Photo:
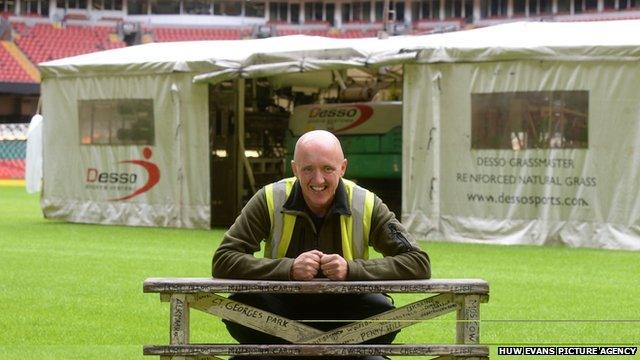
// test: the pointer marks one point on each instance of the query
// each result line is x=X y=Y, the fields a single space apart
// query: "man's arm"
x=403 y=258
x=234 y=258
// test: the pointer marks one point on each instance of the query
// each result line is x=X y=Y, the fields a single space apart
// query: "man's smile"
x=318 y=188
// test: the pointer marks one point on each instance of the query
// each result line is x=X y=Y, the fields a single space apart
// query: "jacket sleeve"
x=403 y=259
x=235 y=257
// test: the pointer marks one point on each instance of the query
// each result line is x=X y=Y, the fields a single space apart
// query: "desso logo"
x=336 y=112
x=342 y=114
x=127 y=180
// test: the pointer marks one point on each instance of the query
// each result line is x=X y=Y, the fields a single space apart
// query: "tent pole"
x=242 y=158
x=240 y=142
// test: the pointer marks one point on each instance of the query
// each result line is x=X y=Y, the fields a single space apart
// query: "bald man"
x=304 y=223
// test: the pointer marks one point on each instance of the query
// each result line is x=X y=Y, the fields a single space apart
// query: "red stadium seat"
x=11 y=69
x=190 y=34
x=44 y=42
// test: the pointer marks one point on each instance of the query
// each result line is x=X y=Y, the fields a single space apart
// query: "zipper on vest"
x=316 y=232
x=298 y=214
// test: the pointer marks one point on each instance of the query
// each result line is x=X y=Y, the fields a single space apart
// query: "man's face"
x=319 y=168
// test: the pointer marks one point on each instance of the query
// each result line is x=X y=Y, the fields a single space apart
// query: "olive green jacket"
x=403 y=259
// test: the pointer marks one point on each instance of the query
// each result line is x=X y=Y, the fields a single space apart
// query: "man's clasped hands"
x=308 y=264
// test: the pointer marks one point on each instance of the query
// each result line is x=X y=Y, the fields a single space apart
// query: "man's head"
x=318 y=163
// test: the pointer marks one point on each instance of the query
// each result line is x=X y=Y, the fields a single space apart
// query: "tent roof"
x=571 y=41
x=216 y=60
x=200 y=56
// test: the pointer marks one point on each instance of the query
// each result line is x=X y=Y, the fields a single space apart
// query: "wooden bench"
x=460 y=295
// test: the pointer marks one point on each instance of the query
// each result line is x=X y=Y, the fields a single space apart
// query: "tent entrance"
x=223 y=153
x=247 y=132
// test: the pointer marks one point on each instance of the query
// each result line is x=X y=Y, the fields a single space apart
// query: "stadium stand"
x=629 y=15
x=166 y=34
x=12 y=71
x=303 y=31
x=44 y=42
x=351 y=30
x=352 y=34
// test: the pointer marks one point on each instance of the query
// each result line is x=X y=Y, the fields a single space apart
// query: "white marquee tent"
x=559 y=100
x=525 y=133
x=94 y=173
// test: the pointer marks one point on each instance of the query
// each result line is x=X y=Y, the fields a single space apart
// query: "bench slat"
x=213 y=285
x=369 y=328
x=320 y=350
x=258 y=319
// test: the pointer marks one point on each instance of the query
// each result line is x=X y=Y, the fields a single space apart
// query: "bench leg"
x=179 y=331
x=179 y=327
x=468 y=326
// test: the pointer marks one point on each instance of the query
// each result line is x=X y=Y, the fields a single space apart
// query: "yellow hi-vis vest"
x=354 y=228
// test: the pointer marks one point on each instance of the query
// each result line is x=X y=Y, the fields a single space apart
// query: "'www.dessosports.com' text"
x=534 y=200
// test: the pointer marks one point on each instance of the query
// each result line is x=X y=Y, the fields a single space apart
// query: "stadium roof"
x=214 y=61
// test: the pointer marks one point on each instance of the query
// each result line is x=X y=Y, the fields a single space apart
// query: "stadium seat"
x=44 y=42
x=11 y=71
x=166 y=34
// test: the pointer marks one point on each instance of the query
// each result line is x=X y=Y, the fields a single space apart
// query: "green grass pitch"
x=74 y=291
